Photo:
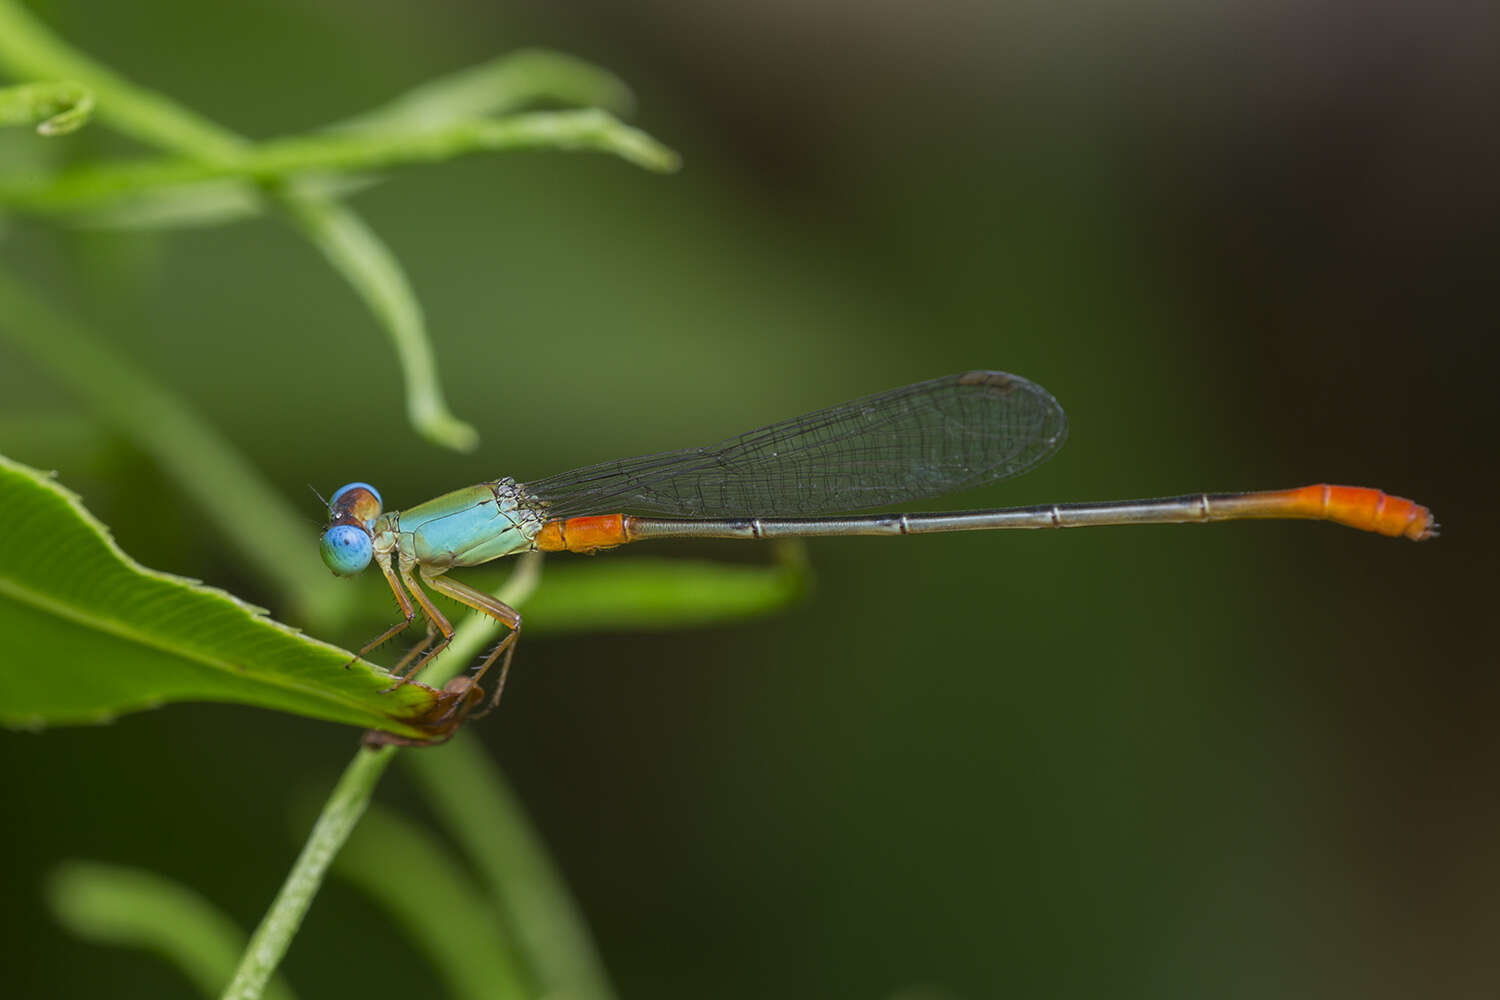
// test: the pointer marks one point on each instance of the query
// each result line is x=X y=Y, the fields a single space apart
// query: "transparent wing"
x=918 y=441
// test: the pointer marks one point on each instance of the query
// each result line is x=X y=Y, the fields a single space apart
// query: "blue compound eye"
x=346 y=549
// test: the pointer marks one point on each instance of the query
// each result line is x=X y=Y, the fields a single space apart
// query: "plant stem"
x=340 y=814
x=590 y=129
x=346 y=804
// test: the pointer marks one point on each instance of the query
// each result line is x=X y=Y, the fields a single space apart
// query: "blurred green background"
x=1246 y=246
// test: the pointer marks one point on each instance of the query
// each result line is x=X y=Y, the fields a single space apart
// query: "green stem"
x=340 y=814
x=500 y=86
x=590 y=129
x=344 y=807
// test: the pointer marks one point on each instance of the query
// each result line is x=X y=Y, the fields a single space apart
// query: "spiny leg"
x=435 y=619
x=508 y=647
x=415 y=651
x=407 y=612
x=498 y=610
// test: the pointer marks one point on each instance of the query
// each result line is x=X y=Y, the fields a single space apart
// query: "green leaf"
x=111 y=904
x=90 y=633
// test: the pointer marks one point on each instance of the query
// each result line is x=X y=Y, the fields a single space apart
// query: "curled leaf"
x=56 y=108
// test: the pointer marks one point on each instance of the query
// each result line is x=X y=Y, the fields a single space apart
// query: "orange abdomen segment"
x=1357 y=507
x=582 y=534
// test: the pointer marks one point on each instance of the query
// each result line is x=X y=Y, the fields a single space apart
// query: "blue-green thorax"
x=464 y=528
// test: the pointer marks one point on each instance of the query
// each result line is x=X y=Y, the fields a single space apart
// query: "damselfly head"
x=347 y=545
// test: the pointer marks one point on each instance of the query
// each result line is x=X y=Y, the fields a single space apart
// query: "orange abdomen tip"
x=1366 y=509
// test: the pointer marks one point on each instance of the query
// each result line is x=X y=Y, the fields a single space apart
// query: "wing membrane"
x=911 y=443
